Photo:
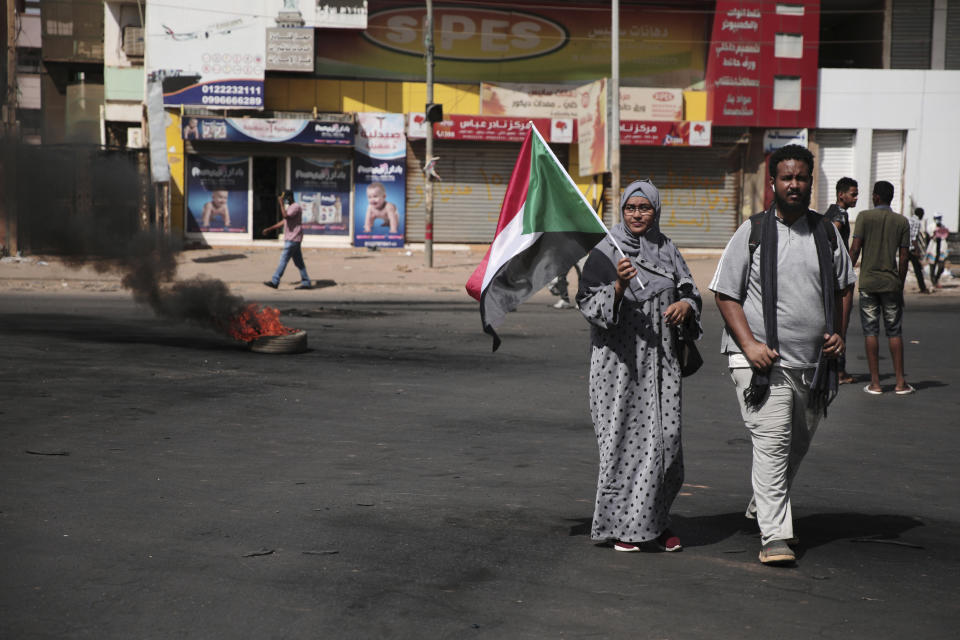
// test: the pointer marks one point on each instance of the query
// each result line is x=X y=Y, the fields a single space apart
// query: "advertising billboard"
x=322 y=187
x=380 y=180
x=217 y=190
x=209 y=55
x=550 y=42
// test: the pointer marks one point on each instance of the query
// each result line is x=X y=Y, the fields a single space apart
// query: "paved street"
x=400 y=481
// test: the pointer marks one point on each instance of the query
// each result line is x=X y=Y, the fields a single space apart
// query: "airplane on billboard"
x=219 y=29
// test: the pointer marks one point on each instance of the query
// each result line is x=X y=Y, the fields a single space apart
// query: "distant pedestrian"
x=838 y=213
x=635 y=372
x=847 y=195
x=292 y=238
x=779 y=286
x=884 y=238
x=937 y=250
x=918 y=247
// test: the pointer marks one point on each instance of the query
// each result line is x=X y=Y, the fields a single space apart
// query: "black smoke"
x=95 y=207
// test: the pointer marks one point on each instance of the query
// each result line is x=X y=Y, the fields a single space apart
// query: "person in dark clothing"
x=847 y=196
x=918 y=247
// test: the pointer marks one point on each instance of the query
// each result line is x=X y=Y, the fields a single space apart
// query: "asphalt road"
x=400 y=481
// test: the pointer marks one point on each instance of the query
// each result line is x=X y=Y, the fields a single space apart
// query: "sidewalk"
x=350 y=274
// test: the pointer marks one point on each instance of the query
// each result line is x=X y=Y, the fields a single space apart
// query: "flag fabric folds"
x=546 y=225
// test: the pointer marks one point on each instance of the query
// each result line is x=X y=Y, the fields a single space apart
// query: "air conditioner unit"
x=134 y=138
x=133 y=42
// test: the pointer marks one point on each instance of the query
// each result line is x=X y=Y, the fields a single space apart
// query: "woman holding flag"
x=636 y=306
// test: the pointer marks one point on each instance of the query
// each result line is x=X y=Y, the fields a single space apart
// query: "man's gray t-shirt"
x=800 y=321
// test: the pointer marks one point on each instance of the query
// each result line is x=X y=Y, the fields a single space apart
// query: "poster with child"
x=379 y=180
x=217 y=194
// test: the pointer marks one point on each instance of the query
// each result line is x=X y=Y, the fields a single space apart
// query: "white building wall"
x=923 y=103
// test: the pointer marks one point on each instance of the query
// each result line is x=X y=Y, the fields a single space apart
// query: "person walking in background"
x=847 y=195
x=635 y=372
x=779 y=286
x=937 y=250
x=884 y=238
x=292 y=238
x=918 y=247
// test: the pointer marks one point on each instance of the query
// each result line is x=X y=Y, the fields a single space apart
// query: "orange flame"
x=255 y=321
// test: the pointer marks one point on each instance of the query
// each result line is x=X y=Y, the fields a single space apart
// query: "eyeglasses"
x=645 y=209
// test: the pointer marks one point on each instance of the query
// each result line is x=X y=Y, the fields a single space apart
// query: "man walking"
x=847 y=196
x=884 y=238
x=918 y=247
x=292 y=237
x=779 y=287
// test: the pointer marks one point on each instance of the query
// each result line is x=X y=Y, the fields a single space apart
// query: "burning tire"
x=295 y=342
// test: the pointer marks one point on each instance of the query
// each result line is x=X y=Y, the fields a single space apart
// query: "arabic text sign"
x=651 y=104
x=268 y=130
x=528 y=100
x=494 y=129
x=380 y=180
x=217 y=191
x=289 y=49
x=773 y=139
x=675 y=134
x=745 y=65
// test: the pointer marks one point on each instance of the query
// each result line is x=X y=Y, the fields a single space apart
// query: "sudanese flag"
x=546 y=225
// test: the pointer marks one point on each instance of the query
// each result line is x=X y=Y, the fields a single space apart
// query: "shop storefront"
x=236 y=167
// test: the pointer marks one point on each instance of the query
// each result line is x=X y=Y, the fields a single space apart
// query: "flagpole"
x=584 y=198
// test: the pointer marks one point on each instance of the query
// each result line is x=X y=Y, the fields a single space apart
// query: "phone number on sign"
x=250 y=101
x=230 y=94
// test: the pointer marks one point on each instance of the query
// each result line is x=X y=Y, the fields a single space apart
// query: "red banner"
x=502 y=129
x=762 y=65
x=665 y=134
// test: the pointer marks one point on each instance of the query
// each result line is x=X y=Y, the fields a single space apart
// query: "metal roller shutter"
x=467 y=200
x=952 y=53
x=911 y=34
x=698 y=190
x=886 y=163
x=834 y=161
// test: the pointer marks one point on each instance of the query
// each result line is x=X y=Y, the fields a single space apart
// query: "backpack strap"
x=756 y=230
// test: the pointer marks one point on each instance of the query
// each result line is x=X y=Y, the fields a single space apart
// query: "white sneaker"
x=562 y=304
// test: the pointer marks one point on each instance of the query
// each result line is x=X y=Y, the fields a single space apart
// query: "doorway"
x=268 y=176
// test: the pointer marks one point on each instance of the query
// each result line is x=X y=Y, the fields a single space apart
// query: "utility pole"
x=10 y=91
x=428 y=155
x=615 y=108
x=9 y=159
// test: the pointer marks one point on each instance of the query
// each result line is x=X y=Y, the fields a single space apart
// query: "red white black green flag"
x=546 y=225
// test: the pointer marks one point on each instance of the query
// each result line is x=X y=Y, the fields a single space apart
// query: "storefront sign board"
x=268 y=130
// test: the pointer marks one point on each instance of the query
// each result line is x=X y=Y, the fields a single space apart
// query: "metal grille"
x=952 y=54
x=834 y=161
x=911 y=34
x=886 y=163
x=698 y=190
x=467 y=200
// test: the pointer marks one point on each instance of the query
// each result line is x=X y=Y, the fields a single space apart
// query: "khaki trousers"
x=781 y=430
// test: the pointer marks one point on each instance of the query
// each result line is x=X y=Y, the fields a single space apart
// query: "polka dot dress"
x=635 y=404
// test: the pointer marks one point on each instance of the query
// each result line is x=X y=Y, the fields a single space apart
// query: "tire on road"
x=295 y=342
